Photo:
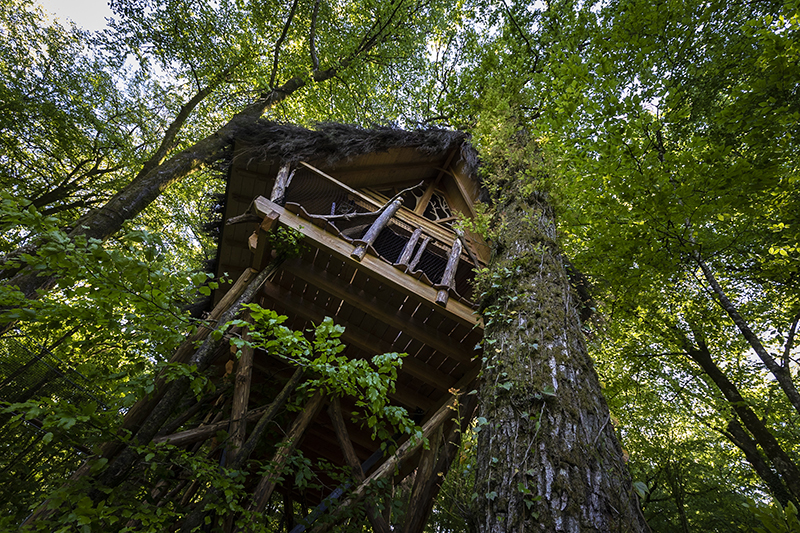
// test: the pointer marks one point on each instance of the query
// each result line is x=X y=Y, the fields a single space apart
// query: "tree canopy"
x=665 y=138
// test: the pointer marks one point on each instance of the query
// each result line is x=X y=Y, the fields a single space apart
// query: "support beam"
x=285 y=449
x=241 y=395
x=379 y=524
x=357 y=298
x=426 y=489
x=142 y=408
x=425 y=471
x=405 y=450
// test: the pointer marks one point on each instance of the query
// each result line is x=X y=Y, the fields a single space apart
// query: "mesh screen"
x=27 y=372
x=320 y=196
x=389 y=244
x=432 y=264
x=31 y=464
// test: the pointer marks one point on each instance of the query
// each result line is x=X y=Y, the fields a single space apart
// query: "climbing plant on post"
x=548 y=458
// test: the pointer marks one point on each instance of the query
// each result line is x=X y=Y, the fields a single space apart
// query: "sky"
x=89 y=14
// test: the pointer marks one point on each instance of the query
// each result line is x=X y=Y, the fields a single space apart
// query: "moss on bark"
x=548 y=457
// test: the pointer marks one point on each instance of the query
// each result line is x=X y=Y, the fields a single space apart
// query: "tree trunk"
x=737 y=435
x=784 y=466
x=548 y=458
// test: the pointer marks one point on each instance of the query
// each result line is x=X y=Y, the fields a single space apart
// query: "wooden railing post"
x=449 y=275
x=282 y=182
x=373 y=231
x=408 y=250
x=413 y=264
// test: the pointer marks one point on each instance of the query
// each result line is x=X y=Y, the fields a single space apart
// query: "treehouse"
x=383 y=256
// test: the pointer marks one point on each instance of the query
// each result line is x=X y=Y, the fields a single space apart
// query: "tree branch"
x=787 y=349
x=781 y=374
x=313 y=36
x=279 y=42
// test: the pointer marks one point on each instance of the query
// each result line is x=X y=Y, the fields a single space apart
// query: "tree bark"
x=548 y=458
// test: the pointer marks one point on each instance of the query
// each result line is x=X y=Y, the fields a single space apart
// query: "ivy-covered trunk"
x=548 y=457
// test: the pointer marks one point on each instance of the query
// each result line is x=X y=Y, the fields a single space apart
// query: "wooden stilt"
x=374 y=230
x=388 y=467
x=449 y=276
x=285 y=450
x=141 y=409
x=424 y=472
x=408 y=250
x=196 y=517
x=426 y=487
x=379 y=523
x=241 y=395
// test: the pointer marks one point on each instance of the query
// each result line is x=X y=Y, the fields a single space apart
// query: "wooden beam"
x=285 y=450
x=388 y=467
x=363 y=340
x=261 y=254
x=426 y=197
x=357 y=298
x=379 y=524
x=424 y=493
x=425 y=471
x=241 y=394
x=142 y=408
x=374 y=266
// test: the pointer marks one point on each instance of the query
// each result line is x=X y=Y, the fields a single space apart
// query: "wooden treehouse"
x=381 y=257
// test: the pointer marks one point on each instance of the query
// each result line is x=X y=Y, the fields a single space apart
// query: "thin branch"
x=781 y=374
x=279 y=42
x=519 y=29
x=789 y=343
x=313 y=36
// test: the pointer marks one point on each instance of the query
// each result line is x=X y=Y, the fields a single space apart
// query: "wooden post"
x=405 y=450
x=379 y=523
x=285 y=449
x=141 y=409
x=241 y=395
x=425 y=471
x=427 y=487
x=449 y=275
x=195 y=518
x=405 y=255
x=413 y=264
x=373 y=231
x=282 y=182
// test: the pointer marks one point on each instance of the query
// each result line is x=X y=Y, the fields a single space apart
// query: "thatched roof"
x=332 y=143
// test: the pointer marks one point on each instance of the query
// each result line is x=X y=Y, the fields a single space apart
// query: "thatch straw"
x=331 y=142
